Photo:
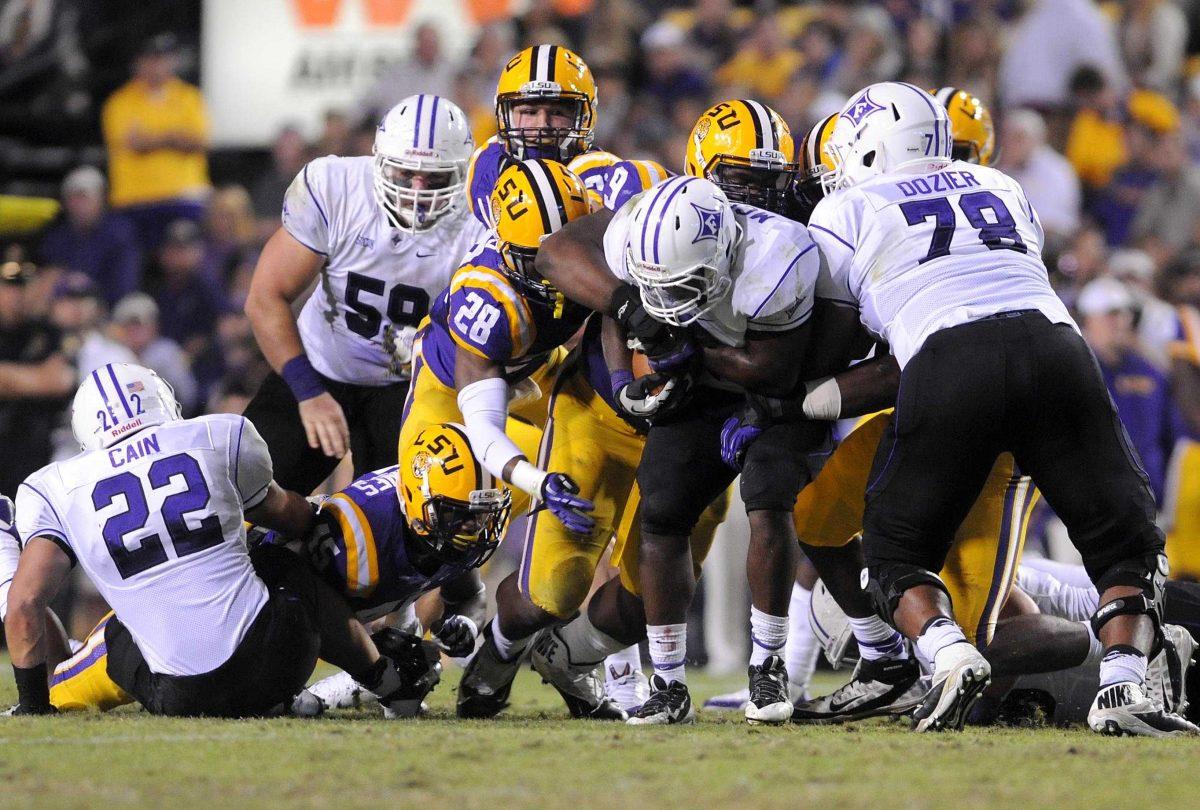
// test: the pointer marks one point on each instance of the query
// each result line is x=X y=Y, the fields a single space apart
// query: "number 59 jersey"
x=917 y=253
x=156 y=522
x=377 y=282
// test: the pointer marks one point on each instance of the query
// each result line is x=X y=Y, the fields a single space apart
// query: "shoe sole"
x=1123 y=725
x=951 y=710
x=655 y=721
x=891 y=710
x=773 y=714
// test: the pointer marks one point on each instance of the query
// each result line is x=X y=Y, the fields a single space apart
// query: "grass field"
x=533 y=757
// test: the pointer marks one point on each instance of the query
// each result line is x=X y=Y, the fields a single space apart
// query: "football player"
x=942 y=259
x=395 y=534
x=744 y=278
x=383 y=235
x=153 y=509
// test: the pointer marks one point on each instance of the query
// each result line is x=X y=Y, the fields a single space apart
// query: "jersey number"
x=406 y=305
x=998 y=231
x=175 y=511
x=484 y=315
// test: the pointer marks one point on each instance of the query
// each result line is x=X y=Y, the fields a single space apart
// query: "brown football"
x=641 y=368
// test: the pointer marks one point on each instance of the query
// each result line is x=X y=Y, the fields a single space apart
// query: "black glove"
x=642 y=400
x=408 y=671
x=666 y=347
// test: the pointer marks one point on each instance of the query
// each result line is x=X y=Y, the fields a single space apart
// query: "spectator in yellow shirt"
x=156 y=130
x=764 y=65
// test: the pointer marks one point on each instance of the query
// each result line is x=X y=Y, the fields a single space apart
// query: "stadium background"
x=1097 y=108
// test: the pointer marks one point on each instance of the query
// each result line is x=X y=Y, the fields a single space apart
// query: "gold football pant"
x=585 y=439
x=982 y=564
x=81 y=682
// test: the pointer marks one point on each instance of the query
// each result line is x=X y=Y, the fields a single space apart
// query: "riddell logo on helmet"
x=121 y=430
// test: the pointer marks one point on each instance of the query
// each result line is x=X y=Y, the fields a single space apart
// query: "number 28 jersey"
x=917 y=253
x=156 y=523
x=377 y=280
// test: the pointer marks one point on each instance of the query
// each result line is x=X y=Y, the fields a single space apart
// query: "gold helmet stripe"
x=765 y=136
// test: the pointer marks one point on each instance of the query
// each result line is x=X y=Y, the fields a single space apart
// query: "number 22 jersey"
x=156 y=523
x=917 y=253
x=377 y=281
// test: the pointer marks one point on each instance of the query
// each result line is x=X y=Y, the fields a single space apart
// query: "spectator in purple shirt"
x=1140 y=391
x=91 y=240
x=190 y=301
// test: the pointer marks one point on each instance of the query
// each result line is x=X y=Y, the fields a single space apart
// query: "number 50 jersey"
x=377 y=281
x=156 y=522
x=917 y=253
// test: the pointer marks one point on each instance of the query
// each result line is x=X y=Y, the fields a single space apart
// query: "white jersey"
x=774 y=273
x=156 y=522
x=10 y=552
x=377 y=282
x=922 y=252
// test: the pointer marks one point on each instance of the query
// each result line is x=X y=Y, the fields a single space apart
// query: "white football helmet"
x=429 y=135
x=117 y=400
x=887 y=126
x=683 y=238
x=831 y=627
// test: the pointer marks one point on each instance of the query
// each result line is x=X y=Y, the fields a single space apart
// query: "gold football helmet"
x=970 y=125
x=450 y=501
x=533 y=199
x=815 y=162
x=747 y=150
x=540 y=75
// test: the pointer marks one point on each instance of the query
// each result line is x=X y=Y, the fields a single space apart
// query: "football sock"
x=768 y=635
x=506 y=647
x=1122 y=664
x=877 y=639
x=802 y=647
x=668 y=650
x=1096 y=650
x=621 y=663
x=585 y=644
x=939 y=633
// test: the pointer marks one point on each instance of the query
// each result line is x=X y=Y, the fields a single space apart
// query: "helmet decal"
x=861 y=107
x=709 y=220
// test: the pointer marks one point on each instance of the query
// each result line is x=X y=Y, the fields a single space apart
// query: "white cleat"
x=669 y=704
x=1123 y=710
x=578 y=684
x=954 y=690
x=769 y=694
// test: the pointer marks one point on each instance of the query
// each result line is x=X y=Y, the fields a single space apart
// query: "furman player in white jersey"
x=384 y=235
x=153 y=509
x=943 y=261
x=739 y=282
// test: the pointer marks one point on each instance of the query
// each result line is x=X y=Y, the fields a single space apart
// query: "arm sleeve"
x=484 y=406
x=305 y=212
x=37 y=516
x=251 y=463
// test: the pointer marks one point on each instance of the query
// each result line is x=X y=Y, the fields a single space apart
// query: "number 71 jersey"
x=156 y=523
x=378 y=281
x=917 y=253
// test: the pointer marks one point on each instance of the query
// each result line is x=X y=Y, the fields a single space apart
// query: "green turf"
x=533 y=757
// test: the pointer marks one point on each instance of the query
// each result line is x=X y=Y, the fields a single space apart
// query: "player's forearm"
x=284 y=511
x=24 y=630
x=572 y=259
x=53 y=377
x=868 y=387
x=742 y=367
x=274 y=326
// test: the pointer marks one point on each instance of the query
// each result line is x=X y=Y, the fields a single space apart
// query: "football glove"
x=740 y=431
x=408 y=671
x=666 y=348
x=560 y=495
x=456 y=635
x=640 y=403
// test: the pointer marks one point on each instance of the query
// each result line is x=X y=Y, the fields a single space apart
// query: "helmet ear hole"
x=869 y=159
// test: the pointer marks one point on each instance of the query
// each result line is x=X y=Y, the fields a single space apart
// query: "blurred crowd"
x=1097 y=107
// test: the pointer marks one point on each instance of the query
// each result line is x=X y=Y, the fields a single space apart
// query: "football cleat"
x=338 y=691
x=487 y=680
x=1166 y=676
x=737 y=701
x=578 y=684
x=954 y=690
x=883 y=687
x=1122 y=709
x=626 y=687
x=769 y=701
x=668 y=704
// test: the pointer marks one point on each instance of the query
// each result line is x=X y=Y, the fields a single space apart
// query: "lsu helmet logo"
x=861 y=107
x=710 y=223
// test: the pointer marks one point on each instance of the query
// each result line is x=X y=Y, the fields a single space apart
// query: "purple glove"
x=736 y=437
x=561 y=496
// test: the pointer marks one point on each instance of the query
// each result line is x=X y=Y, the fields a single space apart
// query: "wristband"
x=619 y=379
x=33 y=688
x=528 y=478
x=302 y=378
x=823 y=399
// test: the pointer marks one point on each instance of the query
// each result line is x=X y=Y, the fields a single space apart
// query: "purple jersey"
x=483 y=313
x=485 y=168
x=361 y=547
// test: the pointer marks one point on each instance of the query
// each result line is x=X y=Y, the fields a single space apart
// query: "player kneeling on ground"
x=154 y=510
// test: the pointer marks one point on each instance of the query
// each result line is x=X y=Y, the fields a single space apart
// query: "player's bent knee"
x=565 y=587
x=887 y=582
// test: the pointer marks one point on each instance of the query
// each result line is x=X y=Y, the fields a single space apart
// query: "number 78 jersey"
x=917 y=253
